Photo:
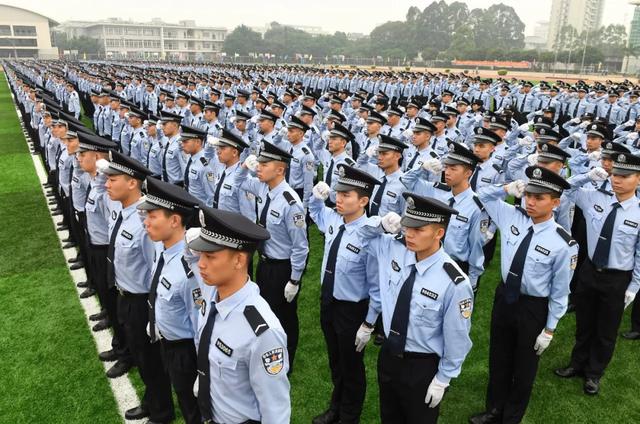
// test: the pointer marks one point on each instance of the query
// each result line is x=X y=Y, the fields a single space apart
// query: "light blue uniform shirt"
x=97 y=211
x=229 y=195
x=356 y=277
x=136 y=147
x=285 y=222
x=201 y=178
x=596 y=205
x=134 y=251
x=391 y=200
x=245 y=384
x=178 y=295
x=440 y=310
x=551 y=258
x=175 y=160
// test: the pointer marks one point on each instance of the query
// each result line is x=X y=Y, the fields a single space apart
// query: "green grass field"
x=50 y=372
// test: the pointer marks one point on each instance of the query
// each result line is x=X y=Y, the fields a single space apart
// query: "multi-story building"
x=580 y=14
x=151 y=40
x=25 y=34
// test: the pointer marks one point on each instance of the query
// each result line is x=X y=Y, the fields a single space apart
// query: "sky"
x=332 y=15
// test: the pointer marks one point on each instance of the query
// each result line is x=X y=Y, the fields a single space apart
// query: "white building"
x=580 y=14
x=25 y=34
x=151 y=40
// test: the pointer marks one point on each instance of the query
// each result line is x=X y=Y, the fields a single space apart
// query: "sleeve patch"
x=273 y=361
x=465 y=306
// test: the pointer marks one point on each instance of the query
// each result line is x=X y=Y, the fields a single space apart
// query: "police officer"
x=226 y=192
x=349 y=293
x=302 y=168
x=283 y=257
x=138 y=135
x=174 y=295
x=421 y=149
x=130 y=255
x=608 y=278
x=241 y=344
x=173 y=161
x=426 y=304
x=537 y=261
x=334 y=155
x=198 y=173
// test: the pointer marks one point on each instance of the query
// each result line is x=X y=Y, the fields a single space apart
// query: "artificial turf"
x=48 y=365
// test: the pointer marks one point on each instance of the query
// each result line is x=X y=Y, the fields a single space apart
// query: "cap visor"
x=147 y=206
x=264 y=159
x=201 y=245
x=412 y=223
x=112 y=171
x=623 y=171
x=531 y=188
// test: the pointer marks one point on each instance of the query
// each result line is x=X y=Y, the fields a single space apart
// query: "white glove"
x=542 y=342
x=576 y=120
x=629 y=122
x=325 y=135
x=515 y=188
x=148 y=329
x=538 y=112
x=488 y=235
x=629 y=297
x=576 y=136
x=371 y=151
x=632 y=136
x=212 y=140
x=363 y=336
x=432 y=165
x=584 y=124
x=284 y=131
x=478 y=118
x=525 y=141
x=254 y=118
x=290 y=291
x=191 y=234
x=532 y=159
x=362 y=122
x=321 y=190
x=595 y=155
x=232 y=119
x=407 y=133
x=597 y=174
x=102 y=165
x=435 y=392
x=391 y=223
x=524 y=127
x=251 y=163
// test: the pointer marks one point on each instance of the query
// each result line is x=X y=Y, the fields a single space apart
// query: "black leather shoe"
x=108 y=356
x=567 y=372
x=330 y=416
x=99 y=316
x=488 y=417
x=631 y=335
x=119 y=369
x=77 y=265
x=136 y=413
x=73 y=260
x=69 y=245
x=53 y=202
x=67 y=240
x=56 y=213
x=87 y=293
x=62 y=228
x=591 y=386
x=83 y=285
x=101 y=325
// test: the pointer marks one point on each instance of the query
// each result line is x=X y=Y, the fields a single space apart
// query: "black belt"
x=269 y=260
x=129 y=294
x=176 y=342
x=244 y=422
x=607 y=270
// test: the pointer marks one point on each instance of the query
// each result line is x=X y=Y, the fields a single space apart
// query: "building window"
x=5 y=30
x=22 y=30
x=18 y=42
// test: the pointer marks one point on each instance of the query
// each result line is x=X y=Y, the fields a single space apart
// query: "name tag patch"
x=353 y=248
x=598 y=208
x=485 y=180
x=542 y=250
x=631 y=223
x=275 y=213
x=462 y=218
x=91 y=201
x=224 y=348
x=429 y=294
x=126 y=235
x=515 y=231
x=165 y=283
x=391 y=194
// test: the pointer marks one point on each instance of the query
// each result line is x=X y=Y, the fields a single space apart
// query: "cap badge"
x=201 y=216
x=537 y=173
x=411 y=204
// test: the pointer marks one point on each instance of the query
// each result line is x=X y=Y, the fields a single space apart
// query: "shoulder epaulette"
x=566 y=236
x=349 y=161
x=289 y=197
x=498 y=168
x=522 y=211
x=305 y=150
x=187 y=269
x=478 y=202
x=456 y=276
x=257 y=323
x=605 y=191
x=433 y=154
x=442 y=186
x=204 y=161
x=400 y=238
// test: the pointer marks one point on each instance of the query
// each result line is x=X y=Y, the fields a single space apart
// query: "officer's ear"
x=555 y=201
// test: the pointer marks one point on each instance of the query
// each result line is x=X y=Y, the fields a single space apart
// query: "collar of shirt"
x=131 y=209
x=633 y=200
x=355 y=224
x=197 y=156
x=173 y=250
x=541 y=226
x=231 y=169
x=339 y=156
x=426 y=263
x=460 y=197
x=226 y=306
x=394 y=175
x=274 y=192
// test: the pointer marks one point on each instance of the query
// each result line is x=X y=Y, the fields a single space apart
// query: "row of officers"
x=416 y=266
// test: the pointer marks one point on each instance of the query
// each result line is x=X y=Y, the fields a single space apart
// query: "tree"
x=242 y=40
x=83 y=44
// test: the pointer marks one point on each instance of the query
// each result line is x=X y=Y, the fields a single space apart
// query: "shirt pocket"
x=222 y=366
x=428 y=312
x=458 y=232
x=628 y=238
x=164 y=294
x=274 y=217
x=595 y=218
x=539 y=265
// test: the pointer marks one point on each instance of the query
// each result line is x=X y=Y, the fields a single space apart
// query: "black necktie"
x=626 y=118
x=575 y=109
x=330 y=268
x=413 y=160
x=524 y=100
x=288 y=172
x=377 y=199
x=608 y=112
x=398 y=331
x=216 y=195
x=152 y=298
x=186 y=174
x=263 y=214
x=111 y=275
x=601 y=254
x=474 y=178
x=204 y=385
x=329 y=175
x=514 y=278
x=165 y=175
